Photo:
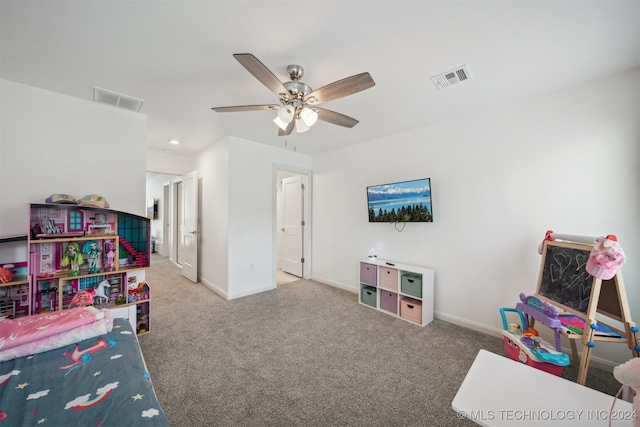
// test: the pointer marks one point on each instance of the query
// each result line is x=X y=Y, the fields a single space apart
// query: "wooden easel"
x=560 y=284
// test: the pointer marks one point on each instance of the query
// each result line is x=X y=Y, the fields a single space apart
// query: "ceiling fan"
x=298 y=102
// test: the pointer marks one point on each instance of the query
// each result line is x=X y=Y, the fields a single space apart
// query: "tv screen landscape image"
x=407 y=201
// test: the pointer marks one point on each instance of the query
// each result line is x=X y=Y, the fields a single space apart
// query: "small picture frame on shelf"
x=46 y=266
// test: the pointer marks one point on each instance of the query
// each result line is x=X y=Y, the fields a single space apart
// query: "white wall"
x=566 y=161
x=52 y=143
x=238 y=181
x=169 y=163
x=213 y=176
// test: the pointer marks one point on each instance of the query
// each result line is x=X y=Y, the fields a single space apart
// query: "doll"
x=72 y=258
x=91 y=249
x=110 y=253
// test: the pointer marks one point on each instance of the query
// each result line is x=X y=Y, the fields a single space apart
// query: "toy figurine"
x=102 y=292
x=72 y=258
x=5 y=275
x=91 y=249
x=83 y=298
x=120 y=299
x=110 y=251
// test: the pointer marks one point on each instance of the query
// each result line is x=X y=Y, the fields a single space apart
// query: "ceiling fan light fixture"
x=309 y=116
x=281 y=123
x=286 y=113
x=298 y=101
x=301 y=126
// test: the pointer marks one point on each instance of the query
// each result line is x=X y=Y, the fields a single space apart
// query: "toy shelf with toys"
x=82 y=255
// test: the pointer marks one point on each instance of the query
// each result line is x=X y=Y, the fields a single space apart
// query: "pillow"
x=61 y=199
x=93 y=200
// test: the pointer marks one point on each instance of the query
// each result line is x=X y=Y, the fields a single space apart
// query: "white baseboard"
x=214 y=288
x=469 y=324
x=224 y=294
x=250 y=292
x=342 y=286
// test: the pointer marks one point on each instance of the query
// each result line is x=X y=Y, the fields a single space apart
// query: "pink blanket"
x=44 y=331
x=77 y=334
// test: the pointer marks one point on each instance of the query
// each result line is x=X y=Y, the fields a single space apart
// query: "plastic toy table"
x=498 y=391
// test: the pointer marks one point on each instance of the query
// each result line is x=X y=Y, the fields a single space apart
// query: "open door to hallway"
x=189 y=227
x=292 y=227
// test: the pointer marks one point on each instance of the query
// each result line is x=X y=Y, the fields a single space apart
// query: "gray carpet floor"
x=304 y=354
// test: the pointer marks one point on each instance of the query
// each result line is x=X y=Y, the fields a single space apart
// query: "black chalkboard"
x=563 y=278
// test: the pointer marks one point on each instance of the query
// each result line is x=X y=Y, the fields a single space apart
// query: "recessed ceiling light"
x=174 y=141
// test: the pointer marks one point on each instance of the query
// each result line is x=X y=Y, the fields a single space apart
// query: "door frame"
x=306 y=230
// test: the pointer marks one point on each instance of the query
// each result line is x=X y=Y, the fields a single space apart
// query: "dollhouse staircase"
x=139 y=257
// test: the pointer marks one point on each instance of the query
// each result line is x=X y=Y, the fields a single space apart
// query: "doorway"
x=162 y=187
x=292 y=226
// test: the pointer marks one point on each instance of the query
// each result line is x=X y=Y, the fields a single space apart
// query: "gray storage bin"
x=411 y=284
x=369 y=296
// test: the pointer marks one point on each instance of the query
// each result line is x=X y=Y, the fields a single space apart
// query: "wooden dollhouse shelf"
x=127 y=304
x=57 y=238
x=20 y=280
x=64 y=275
x=115 y=247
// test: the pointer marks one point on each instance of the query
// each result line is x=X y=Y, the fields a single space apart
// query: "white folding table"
x=499 y=391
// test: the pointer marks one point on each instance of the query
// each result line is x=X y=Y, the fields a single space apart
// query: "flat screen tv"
x=407 y=201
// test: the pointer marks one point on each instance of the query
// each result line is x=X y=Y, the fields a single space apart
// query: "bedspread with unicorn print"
x=99 y=381
x=47 y=331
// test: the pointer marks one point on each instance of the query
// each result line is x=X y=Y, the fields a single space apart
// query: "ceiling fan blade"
x=290 y=127
x=335 y=118
x=341 y=88
x=245 y=108
x=262 y=73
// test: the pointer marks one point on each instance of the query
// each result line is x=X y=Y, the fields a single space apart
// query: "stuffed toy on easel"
x=605 y=258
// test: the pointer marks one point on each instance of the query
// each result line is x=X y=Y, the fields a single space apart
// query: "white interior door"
x=166 y=217
x=292 y=223
x=189 y=227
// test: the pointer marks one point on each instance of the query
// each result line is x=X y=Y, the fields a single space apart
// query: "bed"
x=85 y=372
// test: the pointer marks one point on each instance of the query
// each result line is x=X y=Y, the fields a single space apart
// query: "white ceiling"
x=177 y=57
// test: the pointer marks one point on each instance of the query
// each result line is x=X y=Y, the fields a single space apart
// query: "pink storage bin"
x=411 y=309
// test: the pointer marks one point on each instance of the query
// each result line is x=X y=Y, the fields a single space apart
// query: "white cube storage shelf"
x=401 y=290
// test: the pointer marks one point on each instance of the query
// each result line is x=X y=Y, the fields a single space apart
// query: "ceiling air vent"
x=449 y=78
x=116 y=99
